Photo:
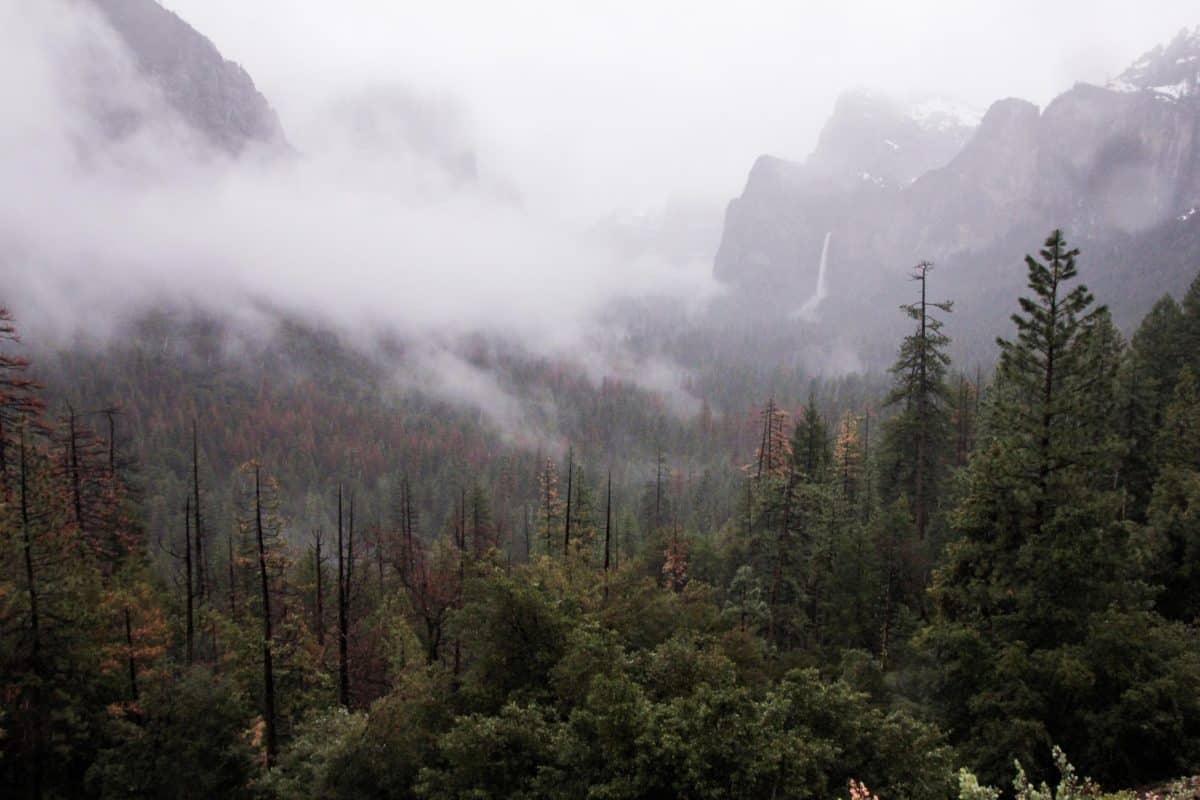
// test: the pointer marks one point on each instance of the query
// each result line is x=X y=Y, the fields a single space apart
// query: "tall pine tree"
x=1041 y=635
x=916 y=440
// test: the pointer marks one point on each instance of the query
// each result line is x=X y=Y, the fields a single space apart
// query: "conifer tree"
x=745 y=605
x=916 y=439
x=1160 y=347
x=1040 y=556
x=810 y=443
x=847 y=459
x=583 y=513
x=774 y=451
x=655 y=507
x=549 y=504
x=18 y=395
x=963 y=418
x=1172 y=532
x=481 y=523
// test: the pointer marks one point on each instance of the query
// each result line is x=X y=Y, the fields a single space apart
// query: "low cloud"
x=109 y=204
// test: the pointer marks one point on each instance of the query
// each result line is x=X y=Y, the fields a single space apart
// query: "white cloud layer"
x=361 y=235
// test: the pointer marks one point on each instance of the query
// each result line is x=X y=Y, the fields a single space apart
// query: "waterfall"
x=808 y=311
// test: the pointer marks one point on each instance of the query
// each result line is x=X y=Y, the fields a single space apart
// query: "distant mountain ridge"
x=1109 y=164
x=871 y=148
x=214 y=96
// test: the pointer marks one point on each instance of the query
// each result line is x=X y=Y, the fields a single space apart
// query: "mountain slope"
x=216 y=97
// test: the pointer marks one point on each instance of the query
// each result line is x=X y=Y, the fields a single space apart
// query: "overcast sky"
x=620 y=104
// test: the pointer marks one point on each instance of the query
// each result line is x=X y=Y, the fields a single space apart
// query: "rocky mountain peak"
x=1171 y=72
x=214 y=96
x=875 y=139
x=1003 y=115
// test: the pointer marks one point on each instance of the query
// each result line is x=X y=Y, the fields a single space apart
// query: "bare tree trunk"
x=110 y=414
x=867 y=471
x=198 y=537
x=73 y=470
x=343 y=621
x=462 y=574
x=412 y=521
x=350 y=554
x=528 y=544
x=319 y=622
x=379 y=557
x=133 y=684
x=190 y=592
x=35 y=628
x=268 y=667
x=232 y=576
x=658 y=480
x=607 y=531
x=406 y=531
x=570 y=479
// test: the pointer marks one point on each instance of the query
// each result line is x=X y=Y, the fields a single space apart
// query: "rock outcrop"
x=215 y=97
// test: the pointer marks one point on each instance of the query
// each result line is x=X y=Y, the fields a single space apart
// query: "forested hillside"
x=264 y=566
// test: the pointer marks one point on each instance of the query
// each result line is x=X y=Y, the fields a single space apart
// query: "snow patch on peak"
x=1175 y=90
x=1169 y=72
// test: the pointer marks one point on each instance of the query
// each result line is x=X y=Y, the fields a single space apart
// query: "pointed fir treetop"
x=810 y=443
x=1051 y=319
x=1179 y=437
x=920 y=368
x=1052 y=372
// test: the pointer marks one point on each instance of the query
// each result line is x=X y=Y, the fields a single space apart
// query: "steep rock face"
x=782 y=213
x=1118 y=161
x=1111 y=165
x=980 y=194
x=873 y=139
x=871 y=149
x=215 y=97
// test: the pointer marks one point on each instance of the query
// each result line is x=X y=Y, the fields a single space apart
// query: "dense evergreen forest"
x=267 y=573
